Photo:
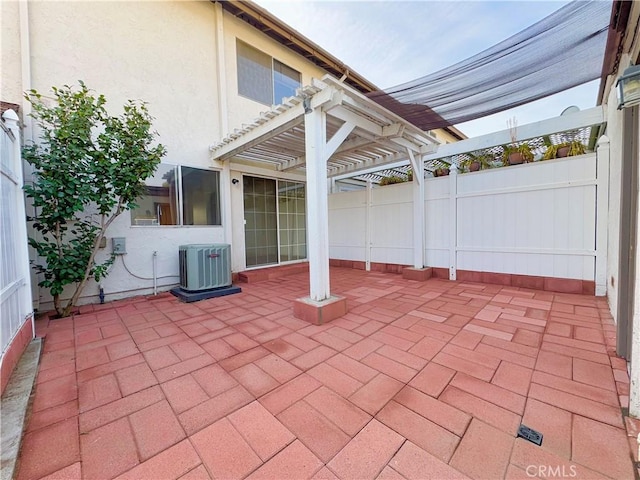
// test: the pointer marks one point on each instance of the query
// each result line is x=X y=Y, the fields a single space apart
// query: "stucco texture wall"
x=166 y=54
x=162 y=53
x=159 y=52
x=10 y=73
x=444 y=137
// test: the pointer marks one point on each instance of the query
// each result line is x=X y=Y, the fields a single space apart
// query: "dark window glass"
x=200 y=197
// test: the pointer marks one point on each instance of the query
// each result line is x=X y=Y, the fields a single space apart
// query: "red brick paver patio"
x=418 y=380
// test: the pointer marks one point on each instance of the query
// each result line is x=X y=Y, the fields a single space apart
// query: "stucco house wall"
x=443 y=136
x=630 y=54
x=167 y=54
x=629 y=325
x=10 y=79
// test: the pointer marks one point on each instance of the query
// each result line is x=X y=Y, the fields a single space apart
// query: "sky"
x=391 y=42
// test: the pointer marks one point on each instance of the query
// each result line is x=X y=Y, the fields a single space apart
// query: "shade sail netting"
x=559 y=52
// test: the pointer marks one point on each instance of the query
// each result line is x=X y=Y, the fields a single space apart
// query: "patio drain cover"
x=530 y=434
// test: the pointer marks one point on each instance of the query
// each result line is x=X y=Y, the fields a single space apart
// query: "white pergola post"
x=418 y=209
x=367 y=233
x=317 y=204
x=453 y=220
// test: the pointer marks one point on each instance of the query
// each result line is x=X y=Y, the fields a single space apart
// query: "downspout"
x=223 y=120
x=223 y=126
x=25 y=64
x=367 y=219
x=27 y=130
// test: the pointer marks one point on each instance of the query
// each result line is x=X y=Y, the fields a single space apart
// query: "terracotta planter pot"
x=474 y=166
x=562 y=152
x=516 y=158
x=441 y=172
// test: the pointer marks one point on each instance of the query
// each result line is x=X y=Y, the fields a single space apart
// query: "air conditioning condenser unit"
x=204 y=267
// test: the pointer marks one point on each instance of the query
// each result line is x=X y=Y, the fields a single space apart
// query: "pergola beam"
x=365 y=124
x=278 y=136
x=333 y=145
x=374 y=164
x=574 y=121
x=336 y=140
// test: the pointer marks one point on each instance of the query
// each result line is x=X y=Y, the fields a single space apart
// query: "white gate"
x=15 y=287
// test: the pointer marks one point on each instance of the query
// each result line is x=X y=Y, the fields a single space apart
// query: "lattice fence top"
x=538 y=147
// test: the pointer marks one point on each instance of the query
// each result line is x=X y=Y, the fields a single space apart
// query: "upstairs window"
x=262 y=78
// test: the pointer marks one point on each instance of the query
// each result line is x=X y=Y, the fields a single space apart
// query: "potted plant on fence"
x=391 y=180
x=476 y=161
x=514 y=153
x=441 y=172
x=565 y=149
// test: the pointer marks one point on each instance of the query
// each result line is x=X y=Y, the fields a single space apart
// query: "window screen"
x=254 y=74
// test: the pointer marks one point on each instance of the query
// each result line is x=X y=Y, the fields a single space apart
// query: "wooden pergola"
x=330 y=129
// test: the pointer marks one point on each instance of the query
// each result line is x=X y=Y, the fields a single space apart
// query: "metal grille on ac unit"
x=204 y=267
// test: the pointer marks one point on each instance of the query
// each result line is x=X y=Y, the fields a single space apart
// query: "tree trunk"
x=67 y=310
x=57 y=306
x=81 y=285
x=96 y=246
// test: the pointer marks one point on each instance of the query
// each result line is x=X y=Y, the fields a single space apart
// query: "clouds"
x=392 y=42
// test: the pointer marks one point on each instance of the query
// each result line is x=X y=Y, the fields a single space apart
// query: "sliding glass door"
x=275 y=221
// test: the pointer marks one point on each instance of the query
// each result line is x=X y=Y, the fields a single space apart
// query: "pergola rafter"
x=364 y=133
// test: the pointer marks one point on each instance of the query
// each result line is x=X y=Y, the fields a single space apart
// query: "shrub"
x=89 y=168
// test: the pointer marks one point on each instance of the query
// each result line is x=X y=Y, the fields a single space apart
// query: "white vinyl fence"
x=540 y=219
x=15 y=289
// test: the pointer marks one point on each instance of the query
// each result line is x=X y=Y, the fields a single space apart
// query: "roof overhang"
x=617 y=30
x=361 y=133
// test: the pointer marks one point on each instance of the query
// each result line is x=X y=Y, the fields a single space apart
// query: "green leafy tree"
x=89 y=168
